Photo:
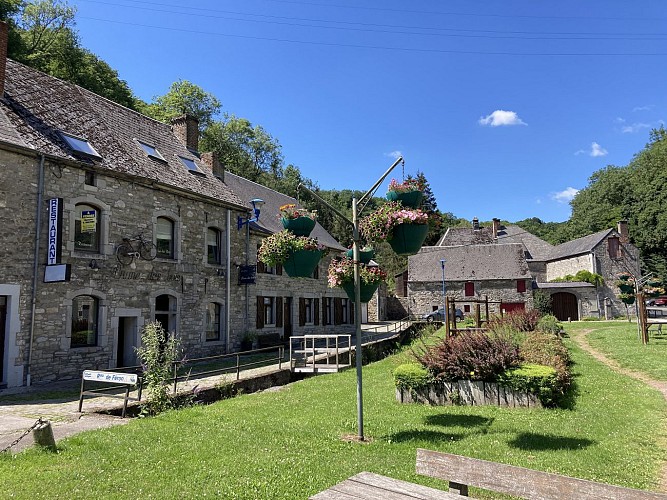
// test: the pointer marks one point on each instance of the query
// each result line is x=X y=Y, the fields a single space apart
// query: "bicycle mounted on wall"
x=135 y=248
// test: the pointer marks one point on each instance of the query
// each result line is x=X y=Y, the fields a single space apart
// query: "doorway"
x=3 y=337
x=564 y=306
x=126 y=354
x=287 y=317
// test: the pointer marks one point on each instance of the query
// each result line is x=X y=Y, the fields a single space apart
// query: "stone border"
x=468 y=392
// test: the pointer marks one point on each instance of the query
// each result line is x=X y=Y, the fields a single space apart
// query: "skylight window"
x=190 y=165
x=79 y=145
x=151 y=151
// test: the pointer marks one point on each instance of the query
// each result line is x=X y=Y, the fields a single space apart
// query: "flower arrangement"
x=341 y=271
x=291 y=211
x=278 y=247
x=379 y=225
x=406 y=186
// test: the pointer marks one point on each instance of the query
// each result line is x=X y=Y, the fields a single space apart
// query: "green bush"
x=411 y=376
x=519 y=321
x=542 y=302
x=549 y=324
x=540 y=380
x=547 y=349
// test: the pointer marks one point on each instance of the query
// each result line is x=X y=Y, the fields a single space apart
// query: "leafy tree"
x=552 y=232
x=185 y=97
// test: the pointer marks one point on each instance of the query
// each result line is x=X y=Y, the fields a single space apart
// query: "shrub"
x=549 y=324
x=546 y=349
x=542 y=302
x=540 y=380
x=474 y=356
x=518 y=321
x=411 y=376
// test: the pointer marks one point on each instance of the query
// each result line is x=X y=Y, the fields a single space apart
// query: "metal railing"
x=317 y=351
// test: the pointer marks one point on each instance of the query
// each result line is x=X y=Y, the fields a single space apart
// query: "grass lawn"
x=287 y=444
x=620 y=341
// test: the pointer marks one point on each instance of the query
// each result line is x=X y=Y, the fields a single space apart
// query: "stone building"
x=78 y=176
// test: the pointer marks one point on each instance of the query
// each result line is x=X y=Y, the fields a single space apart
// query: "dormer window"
x=151 y=151
x=79 y=145
x=190 y=165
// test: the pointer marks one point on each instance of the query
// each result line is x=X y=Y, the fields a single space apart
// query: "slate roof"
x=469 y=262
x=37 y=106
x=579 y=246
x=465 y=236
x=565 y=284
x=536 y=248
x=269 y=222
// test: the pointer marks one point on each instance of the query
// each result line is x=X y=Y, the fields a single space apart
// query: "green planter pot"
x=412 y=199
x=301 y=226
x=628 y=300
x=365 y=291
x=302 y=263
x=364 y=257
x=407 y=239
x=625 y=288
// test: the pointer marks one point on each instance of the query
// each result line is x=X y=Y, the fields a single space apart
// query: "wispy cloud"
x=501 y=118
x=394 y=154
x=643 y=108
x=635 y=127
x=565 y=196
x=597 y=150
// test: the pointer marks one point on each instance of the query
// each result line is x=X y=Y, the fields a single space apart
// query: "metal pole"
x=357 y=318
x=444 y=302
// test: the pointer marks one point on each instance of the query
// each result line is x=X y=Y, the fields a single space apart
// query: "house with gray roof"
x=607 y=253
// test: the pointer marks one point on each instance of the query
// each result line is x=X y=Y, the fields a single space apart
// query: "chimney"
x=213 y=163
x=496 y=227
x=186 y=128
x=475 y=223
x=623 y=231
x=4 y=35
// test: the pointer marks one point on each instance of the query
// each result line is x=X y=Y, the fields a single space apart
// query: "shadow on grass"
x=447 y=420
x=545 y=442
x=425 y=436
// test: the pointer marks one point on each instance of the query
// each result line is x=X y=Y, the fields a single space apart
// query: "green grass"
x=620 y=341
x=287 y=444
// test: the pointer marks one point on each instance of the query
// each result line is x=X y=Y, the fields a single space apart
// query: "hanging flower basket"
x=626 y=287
x=366 y=291
x=302 y=263
x=301 y=226
x=365 y=254
x=407 y=239
x=624 y=276
x=412 y=199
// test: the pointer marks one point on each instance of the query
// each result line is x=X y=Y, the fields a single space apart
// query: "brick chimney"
x=623 y=231
x=213 y=163
x=4 y=35
x=186 y=128
x=475 y=223
x=495 y=227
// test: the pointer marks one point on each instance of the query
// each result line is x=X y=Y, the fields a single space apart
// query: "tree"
x=185 y=97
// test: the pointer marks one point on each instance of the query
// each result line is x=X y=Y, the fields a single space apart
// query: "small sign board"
x=247 y=275
x=88 y=221
x=110 y=377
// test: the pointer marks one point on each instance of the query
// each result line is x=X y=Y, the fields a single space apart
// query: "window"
x=269 y=311
x=79 y=145
x=213 y=245
x=151 y=151
x=614 y=246
x=345 y=310
x=466 y=308
x=520 y=285
x=165 y=312
x=469 y=289
x=85 y=309
x=89 y=179
x=213 y=322
x=308 y=310
x=190 y=165
x=164 y=238
x=86 y=228
x=328 y=311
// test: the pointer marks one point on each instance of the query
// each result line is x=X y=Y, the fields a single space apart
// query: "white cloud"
x=597 y=150
x=565 y=195
x=394 y=154
x=501 y=118
x=580 y=152
x=635 y=127
x=618 y=119
x=643 y=108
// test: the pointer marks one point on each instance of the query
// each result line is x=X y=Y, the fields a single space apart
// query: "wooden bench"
x=462 y=472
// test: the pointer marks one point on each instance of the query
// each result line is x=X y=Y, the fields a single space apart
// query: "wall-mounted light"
x=256 y=206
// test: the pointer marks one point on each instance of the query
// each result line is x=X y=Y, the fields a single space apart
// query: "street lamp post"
x=444 y=297
x=357 y=207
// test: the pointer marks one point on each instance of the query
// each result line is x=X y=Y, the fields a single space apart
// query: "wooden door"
x=564 y=306
x=3 y=321
x=287 y=317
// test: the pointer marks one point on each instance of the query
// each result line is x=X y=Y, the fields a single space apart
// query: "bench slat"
x=519 y=481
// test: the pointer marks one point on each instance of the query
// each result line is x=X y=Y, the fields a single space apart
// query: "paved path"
x=19 y=414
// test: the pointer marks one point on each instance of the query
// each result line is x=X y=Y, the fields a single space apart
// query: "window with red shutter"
x=470 y=289
x=613 y=244
x=520 y=285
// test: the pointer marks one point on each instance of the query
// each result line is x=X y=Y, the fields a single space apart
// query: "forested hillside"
x=42 y=34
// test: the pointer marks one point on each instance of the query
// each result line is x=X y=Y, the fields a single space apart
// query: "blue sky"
x=507 y=107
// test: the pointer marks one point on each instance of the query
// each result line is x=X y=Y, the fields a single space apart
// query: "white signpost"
x=110 y=377
x=126 y=380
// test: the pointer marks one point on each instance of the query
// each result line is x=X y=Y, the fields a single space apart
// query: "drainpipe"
x=228 y=278
x=35 y=263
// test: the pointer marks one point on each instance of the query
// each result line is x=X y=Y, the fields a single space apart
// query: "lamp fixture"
x=256 y=207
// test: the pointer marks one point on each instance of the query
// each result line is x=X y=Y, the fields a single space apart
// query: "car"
x=660 y=302
x=439 y=315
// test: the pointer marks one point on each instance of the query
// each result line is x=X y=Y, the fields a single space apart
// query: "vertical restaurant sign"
x=88 y=220
x=55 y=231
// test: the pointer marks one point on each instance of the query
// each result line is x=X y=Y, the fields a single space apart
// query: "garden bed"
x=468 y=392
